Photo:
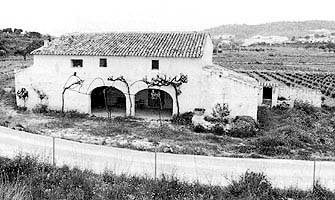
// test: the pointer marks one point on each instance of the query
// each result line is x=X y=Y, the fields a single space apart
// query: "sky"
x=58 y=17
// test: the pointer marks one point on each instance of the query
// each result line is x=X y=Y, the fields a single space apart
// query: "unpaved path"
x=205 y=169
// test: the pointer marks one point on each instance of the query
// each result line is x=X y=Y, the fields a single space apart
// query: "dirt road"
x=207 y=170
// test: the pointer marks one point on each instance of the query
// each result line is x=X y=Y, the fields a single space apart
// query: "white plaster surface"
x=50 y=73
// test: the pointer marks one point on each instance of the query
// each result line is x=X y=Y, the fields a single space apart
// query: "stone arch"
x=116 y=101
x=146 y=106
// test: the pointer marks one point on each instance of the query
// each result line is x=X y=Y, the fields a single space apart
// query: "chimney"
x=46 y=43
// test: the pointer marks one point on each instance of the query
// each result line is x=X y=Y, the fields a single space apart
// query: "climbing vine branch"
x=164 y=80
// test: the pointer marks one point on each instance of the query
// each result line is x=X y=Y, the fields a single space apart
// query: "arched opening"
x=150 y=102
x=115 y=100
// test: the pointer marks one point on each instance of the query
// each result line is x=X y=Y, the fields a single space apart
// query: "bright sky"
x=65 y=16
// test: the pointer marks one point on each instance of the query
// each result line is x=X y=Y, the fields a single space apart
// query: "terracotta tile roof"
x=154 y=44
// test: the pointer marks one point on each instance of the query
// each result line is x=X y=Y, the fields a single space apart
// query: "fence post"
x=155 y=162
x=314 y=174
x=53 y=152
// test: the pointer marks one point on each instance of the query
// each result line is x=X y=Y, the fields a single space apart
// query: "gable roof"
x=153 y=44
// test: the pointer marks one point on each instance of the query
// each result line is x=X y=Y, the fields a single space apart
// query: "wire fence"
x=204 y=169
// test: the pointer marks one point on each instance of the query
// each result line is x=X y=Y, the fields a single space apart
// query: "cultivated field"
x=297 y=133
x=7 y=67
x=267 y=58
x=295 y=67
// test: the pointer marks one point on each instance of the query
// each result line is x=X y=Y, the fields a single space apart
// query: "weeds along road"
x=207 y=170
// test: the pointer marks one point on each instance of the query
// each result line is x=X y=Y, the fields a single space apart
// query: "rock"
x=18 y=127
x=198 y=120
x=167 y=149
x=5 y=123
x=7 y=89
x=142 y=144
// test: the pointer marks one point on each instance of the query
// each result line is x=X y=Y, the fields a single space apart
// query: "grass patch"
x=28 y=176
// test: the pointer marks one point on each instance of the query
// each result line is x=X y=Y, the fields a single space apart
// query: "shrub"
x=219 y=129
x=264 y=116
x=75 y=114
x=18 y=168
x=46 y=182
x=305 y=107
x=271 y=146
x=183 y=119
x=322 y=193
x=199 y=129
x=220 y=111
x=21 y=108
x=14 y=191
x=252 y=185
x=40 y=108
x=243 y=126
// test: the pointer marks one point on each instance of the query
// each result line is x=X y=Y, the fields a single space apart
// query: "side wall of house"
x=303 y=94
x=291 y=94
x=241 y=97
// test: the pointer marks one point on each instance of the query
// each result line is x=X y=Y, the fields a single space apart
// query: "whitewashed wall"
x=311 y=96
x=303 y=94
x=241 y=97
x=50 y=73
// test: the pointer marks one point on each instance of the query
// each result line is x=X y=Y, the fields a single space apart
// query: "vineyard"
x=277 y=58
x=7 y=67
x=325 y=82
x=288 y=66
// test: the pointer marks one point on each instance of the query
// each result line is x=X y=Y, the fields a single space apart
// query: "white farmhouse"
x=90 y=59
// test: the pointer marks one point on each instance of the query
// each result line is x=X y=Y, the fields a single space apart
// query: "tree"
x=18 y=31
x=2 y=52
x=7 y=30
x=163 y=80
x=33 y=34
x=35 y=44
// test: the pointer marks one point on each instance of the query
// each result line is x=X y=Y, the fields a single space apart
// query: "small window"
x=155 y=64
x=103 y=62
x=77 y=62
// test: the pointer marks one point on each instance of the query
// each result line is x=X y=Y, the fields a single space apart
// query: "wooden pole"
x=155 y=161
x=314 y=174
x=53 y=152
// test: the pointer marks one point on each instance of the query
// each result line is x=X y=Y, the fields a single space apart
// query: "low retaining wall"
x=205 y=169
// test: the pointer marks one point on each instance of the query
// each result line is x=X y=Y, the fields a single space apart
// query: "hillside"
x=19 y=42
x=288 y=29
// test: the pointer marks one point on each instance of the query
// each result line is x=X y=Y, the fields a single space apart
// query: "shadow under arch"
x=115 y=101
x=146 y=106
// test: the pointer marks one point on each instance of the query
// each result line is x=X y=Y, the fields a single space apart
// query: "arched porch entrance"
x=150 y=102
x=111 y=97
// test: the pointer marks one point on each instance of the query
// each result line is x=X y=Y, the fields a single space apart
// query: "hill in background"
x=288 y=29
x=18 y=42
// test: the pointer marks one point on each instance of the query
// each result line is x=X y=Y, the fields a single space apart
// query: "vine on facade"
x=78 y=82
x=164 y=80
x=23 y=94
x=41 y=94
x=124 y=81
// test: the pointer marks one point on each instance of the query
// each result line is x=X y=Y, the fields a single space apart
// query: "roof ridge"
x=143 y=44
x=134 y=32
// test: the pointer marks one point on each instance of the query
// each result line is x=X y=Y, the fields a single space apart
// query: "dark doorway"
x=267 y=93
